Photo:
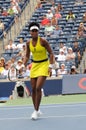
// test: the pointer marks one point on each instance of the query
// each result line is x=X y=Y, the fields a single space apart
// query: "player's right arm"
x=27 y=53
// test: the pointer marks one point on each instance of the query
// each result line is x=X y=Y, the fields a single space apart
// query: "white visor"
x=34 y=27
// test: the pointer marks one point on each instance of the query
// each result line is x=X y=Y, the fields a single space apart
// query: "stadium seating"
x=9 y=20
x=69 y=27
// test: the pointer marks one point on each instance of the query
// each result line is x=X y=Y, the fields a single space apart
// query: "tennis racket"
x=12 y=73
x=15 y=74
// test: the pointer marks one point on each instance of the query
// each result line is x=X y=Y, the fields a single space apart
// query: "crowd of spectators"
x=66 y=56
x=12 y=9
x=50 y=21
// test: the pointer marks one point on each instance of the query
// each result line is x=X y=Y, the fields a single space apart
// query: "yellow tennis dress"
x=40 y=62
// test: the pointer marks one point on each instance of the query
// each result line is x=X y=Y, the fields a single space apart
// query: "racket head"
x=13 y=74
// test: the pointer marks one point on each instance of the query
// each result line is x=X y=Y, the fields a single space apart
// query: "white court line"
x=66 y=116
x=45 y=106
x=44 y=117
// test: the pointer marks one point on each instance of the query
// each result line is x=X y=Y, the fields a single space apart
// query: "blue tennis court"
x=55 y=117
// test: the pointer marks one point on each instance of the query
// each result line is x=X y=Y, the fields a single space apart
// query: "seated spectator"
x=26 y=73
x=44 y=21
x=53 y=73
x=20 y=67
x=20 y=64
x=63 y=46
x=2 y=59
x=14 y=10
x=10 y=11
x=57 y=32
x=4 y=12
x=70 y=56
x=76 y=50
x=38 y=6
x=53 y=8
x=58 y=15
x=5 y=71
x=9 y=62
x=73 y=70
x=81 y=36
x=54 y=21
x=15 y=6
x=82 y=26
x=61 y=57
x=84 y=17
x=20 y=44
x=62 y=70
x=2 y=27
x=22 y=53
x=78 y=2
x=49 y=14
x=13 y=61
x=49 y=28
x=59 y=7
x=70 y=16
x=1 y=68
x=10 y=46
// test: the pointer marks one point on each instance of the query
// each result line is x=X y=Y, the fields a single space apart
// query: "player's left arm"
x=49 y=50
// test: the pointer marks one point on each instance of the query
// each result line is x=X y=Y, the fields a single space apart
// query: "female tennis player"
x=41 y=66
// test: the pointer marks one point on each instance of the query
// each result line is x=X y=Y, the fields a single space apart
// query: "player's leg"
x=39 y=85
x=34 y=115
x=33 y=85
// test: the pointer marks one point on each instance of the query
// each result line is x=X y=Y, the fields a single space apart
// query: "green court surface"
x=57 y=99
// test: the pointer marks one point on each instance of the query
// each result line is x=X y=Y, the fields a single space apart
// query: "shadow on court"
x=55 y=117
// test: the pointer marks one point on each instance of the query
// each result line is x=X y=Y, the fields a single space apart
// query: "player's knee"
x=33 y=90
x=38 y=89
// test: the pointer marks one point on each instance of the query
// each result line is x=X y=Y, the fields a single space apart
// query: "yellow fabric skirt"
x=39 y=69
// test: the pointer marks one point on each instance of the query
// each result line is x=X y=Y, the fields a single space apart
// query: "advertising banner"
x=74 y=84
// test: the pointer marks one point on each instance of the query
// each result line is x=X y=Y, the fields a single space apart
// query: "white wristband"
x=51 y=66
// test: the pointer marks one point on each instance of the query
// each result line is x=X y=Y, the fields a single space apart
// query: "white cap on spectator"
x=62 y=64
x=49 y=10
x=69 y=48
x=2 y=58
x=73 y=67
x=20 y=61
x=61 y=50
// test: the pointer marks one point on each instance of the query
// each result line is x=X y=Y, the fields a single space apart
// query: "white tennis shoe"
x=34 y=115
x=39 y=113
